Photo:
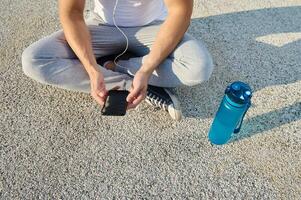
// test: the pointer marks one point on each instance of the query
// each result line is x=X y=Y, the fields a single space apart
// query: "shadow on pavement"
x=270 y=120
x=238 y=54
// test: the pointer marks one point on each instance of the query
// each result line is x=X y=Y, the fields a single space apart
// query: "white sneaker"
x=165 y=99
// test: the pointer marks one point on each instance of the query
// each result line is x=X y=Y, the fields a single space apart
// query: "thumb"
x=133 y=94
x=102 y=91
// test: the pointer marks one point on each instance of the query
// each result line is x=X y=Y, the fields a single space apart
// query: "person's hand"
x=138 y=89
x=98 y=89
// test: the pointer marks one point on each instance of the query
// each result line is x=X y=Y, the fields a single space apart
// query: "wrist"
x=92 y=70
x=147 y=70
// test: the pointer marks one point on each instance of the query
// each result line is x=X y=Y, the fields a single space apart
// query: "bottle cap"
x=239 y=92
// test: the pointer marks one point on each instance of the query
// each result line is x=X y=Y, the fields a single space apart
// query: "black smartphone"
x=116 y=103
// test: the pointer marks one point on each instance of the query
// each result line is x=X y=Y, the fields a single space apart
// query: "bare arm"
x=76 y=31
x=170 y=33
x=79 y=39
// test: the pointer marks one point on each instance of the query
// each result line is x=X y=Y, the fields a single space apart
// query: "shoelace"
x=157 y=101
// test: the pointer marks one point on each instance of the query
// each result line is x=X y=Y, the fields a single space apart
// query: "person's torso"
x=131 y=12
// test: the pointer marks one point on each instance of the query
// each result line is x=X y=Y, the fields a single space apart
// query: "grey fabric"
x=52 y=61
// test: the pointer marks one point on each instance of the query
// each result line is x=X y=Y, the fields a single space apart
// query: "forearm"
x=79 y=39
x=169 y=35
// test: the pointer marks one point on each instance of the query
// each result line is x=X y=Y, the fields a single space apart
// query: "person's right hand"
x=98 y=89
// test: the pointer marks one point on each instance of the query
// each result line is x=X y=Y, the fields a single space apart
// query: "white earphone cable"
x=127 y=40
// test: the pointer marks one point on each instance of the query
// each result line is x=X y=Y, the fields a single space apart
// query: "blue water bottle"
x=229 y=117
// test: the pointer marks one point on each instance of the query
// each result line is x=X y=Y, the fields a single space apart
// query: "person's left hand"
x=139 y=89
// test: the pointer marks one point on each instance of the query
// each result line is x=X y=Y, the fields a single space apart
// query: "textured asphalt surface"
x=55 y=144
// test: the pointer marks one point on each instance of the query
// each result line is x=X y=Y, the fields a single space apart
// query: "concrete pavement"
x=54 y=144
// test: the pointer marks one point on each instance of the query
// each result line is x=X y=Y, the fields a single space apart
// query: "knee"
x=201 y=69
x=30 y=65
x=199 y=65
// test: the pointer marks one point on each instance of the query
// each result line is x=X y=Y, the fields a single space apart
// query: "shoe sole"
x=175 y=110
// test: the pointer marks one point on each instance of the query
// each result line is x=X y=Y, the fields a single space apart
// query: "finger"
x=133 y=94
x=101 y=91
x=103 y=95
x=138 y=100
x=98 y=99
x=130 y=106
